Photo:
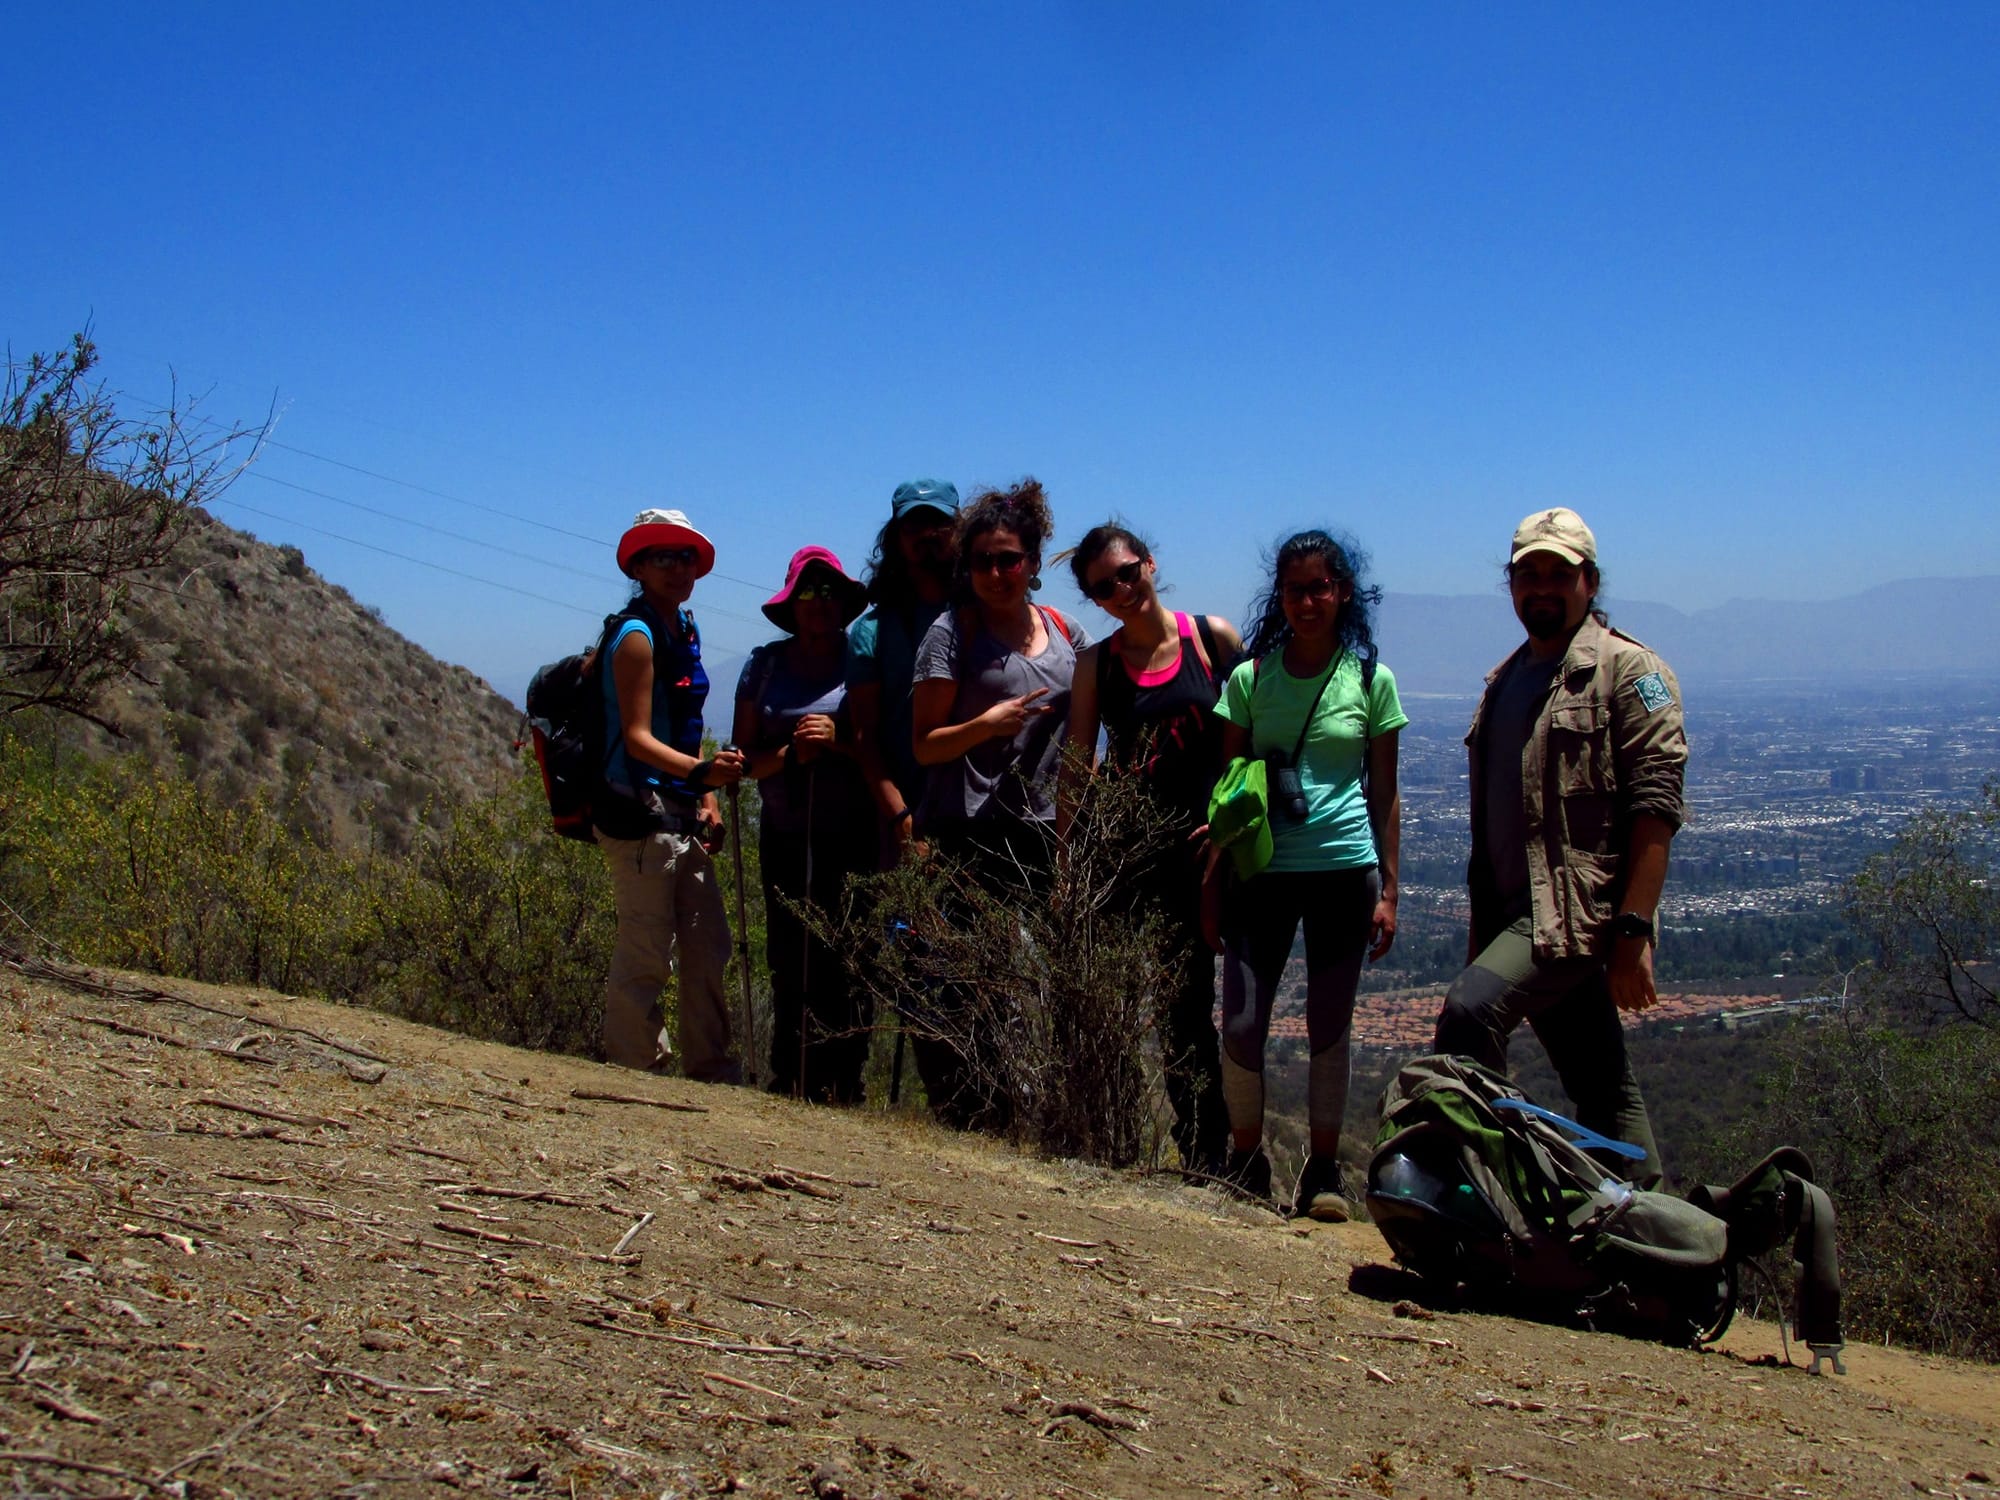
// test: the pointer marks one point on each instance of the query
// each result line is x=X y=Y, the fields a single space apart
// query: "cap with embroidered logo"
x=1559 y=530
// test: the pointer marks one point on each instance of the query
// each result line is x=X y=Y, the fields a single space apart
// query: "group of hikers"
x=924 y=709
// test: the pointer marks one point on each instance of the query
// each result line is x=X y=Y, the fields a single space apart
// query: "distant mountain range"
x=1446 y=643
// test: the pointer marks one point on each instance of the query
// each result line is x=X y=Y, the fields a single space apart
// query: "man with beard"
x=1577 y=756
x=909 y=580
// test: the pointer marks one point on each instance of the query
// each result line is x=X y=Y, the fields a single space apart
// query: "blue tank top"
x=680 y=691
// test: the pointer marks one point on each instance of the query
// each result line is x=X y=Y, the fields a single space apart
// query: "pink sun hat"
x=852 y=593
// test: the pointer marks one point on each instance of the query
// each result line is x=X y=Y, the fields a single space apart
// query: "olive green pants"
x=1568 y=1002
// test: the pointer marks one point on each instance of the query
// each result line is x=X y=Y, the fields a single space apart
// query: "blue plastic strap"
x=1585 y=1136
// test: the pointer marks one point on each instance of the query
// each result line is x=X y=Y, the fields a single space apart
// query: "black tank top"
x=1161 y=726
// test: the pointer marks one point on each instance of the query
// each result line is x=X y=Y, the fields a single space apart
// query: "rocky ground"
x=254 y=1246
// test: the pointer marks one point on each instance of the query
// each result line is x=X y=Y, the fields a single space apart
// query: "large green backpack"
x=1483 y=1193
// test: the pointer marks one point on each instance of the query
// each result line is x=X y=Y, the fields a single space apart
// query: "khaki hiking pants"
x=671 y=923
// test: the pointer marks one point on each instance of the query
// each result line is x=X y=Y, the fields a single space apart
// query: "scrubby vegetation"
x=486 y=923
x=1042 y=979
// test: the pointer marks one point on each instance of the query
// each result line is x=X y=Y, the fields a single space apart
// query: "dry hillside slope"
x=253 y=1246
x=258 y=671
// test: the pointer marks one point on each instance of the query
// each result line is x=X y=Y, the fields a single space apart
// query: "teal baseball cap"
x=940 y=495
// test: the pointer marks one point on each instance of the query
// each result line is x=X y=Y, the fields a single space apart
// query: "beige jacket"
x=1608 y=745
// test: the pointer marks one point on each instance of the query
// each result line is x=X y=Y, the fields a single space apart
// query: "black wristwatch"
x=1631 y=924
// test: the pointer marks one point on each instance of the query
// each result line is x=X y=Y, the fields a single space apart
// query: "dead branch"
x=746 y=1385
x=50 y=1400
x=766 y=1351
x=126 y=1028
x=518 y=1195
x=1262 y=1333
x=494 y=1237
x=631 y=1234
x=1521 y=1476
x=434 y=1154
x=609 y=1098
x=270 y=1114
x=1402 y=1338
x=384 y=1385
x=1096 y=1416
x=77 y=978
x=77 y=1465
x=853 y=1182
x=221 y=1444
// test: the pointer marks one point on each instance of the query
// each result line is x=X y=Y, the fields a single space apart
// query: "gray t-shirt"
x=1013 y=778
x=1510 y=718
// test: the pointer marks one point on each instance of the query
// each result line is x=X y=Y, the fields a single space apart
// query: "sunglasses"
x=1125 y=575
x=660 y=557
x=1317 y=590
x=806 y=593
x=999 y=562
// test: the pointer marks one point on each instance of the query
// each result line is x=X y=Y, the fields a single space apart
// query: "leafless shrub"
x=88 y=498
x=1042 y=977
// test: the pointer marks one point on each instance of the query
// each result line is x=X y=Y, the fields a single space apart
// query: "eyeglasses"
x=1312 y=591
x=806 y=593
x=999 y=562
x=661 y=557
x=1125 y=575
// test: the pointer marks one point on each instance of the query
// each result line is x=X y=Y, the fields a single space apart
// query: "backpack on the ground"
x=565 y=712
x=1483 y=1193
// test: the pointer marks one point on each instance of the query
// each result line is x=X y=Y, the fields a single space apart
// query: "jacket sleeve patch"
x=1653 y=692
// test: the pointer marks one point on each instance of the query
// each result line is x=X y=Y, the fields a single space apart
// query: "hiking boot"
x=1248 y=1173
x=1321 y=1195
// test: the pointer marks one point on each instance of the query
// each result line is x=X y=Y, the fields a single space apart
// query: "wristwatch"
x=1631 y=924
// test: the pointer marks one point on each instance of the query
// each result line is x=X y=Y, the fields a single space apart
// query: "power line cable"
x=491 y=510
x=456 y=536
x=267 y=441
x=440 y=567
x=272 y=515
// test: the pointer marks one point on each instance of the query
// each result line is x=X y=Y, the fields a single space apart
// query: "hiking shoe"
x=1321 y=1195
x=1248 y=1173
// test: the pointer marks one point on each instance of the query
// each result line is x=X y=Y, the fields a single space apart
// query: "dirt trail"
x=370 y=1259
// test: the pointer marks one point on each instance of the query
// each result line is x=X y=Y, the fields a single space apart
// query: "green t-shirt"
x=1272 y=704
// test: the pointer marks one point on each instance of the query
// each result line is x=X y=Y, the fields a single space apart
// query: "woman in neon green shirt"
x=1312 y=697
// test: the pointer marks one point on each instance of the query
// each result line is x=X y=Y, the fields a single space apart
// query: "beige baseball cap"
x=1559 y=530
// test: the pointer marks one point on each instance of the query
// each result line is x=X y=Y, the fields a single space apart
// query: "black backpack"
x=565 y=712
x=1483 y=1193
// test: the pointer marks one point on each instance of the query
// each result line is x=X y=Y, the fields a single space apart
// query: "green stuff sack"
x=1239 y=816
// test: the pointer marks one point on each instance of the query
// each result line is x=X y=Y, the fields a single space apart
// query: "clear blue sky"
x=1720 y=277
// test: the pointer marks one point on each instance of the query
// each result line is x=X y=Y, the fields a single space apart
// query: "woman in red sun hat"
x=656 y=817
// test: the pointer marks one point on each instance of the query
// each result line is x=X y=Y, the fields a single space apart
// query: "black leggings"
x=1337 y=910
x=820 y=1019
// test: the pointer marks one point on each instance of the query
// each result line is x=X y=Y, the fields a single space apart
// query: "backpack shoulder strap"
x=1106 y=649
x=1054 y=617
x=761 y=668
x=1204 y=646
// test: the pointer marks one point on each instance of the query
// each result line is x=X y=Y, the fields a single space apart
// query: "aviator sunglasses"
x=1124 y=575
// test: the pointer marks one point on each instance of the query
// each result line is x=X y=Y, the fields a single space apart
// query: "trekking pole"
x=742 y=927
x=805 y=947
x=896 y=1068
